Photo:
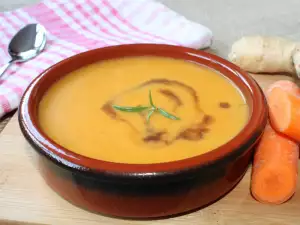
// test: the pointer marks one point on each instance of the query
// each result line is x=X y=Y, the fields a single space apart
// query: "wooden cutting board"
x=26 y=199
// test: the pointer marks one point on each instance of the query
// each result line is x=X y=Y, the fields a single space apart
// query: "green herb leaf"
x=150 y=114
x=151 y=109
x=167 y=115
x=130 y=109
x=150 y=99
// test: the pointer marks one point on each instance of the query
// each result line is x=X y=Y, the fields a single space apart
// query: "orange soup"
x=104 y=110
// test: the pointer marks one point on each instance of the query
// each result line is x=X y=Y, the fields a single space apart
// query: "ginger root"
x=259 y=54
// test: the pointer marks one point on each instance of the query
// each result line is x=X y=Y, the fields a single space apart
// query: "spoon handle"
x=4 y=68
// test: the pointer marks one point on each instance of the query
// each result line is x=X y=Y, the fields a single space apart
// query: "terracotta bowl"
x=137 y=190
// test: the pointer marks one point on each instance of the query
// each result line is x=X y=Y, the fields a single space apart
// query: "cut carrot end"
x=274 y=185
x=285 y=85
x=284 y=109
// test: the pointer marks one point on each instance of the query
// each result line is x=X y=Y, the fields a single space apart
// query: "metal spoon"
x=26 y=44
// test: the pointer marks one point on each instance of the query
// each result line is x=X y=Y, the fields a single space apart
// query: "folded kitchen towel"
x=75 y=26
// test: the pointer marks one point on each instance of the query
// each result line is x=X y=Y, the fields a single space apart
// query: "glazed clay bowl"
x=141 y=190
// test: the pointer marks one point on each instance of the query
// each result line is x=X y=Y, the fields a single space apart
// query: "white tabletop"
x=228 y=19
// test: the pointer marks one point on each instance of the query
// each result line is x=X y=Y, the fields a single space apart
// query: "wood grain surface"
x=4 y=121
x=26 y=199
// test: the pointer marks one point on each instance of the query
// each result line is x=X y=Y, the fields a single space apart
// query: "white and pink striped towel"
x=75 y=26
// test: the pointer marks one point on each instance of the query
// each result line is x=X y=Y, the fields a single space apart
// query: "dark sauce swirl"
x=194 y=132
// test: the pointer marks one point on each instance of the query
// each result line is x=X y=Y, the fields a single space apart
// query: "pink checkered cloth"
x=75 y=26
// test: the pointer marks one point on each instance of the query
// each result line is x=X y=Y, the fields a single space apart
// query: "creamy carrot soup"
x=195 y=110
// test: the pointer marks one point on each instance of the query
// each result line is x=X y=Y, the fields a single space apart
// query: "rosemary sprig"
x=166 y=114
x=150 y=114
x=150 y=99
x=131 y=109
x=151 y=109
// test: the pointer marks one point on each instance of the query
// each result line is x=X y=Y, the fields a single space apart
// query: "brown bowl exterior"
x=137 y=190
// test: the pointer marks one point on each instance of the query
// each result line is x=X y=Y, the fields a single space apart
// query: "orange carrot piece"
x=275 y=168
x=286 y=85
x=284 y=109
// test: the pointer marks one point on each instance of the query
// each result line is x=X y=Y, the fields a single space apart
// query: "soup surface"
x=78 y=111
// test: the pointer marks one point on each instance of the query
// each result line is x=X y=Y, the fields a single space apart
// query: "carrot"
x=284 y=108
x=286 y=85
x=275 y=168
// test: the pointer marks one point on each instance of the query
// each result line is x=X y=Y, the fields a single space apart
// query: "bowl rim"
x=64 y=157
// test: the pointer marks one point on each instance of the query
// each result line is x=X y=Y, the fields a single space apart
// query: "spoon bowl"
x=26 y=44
